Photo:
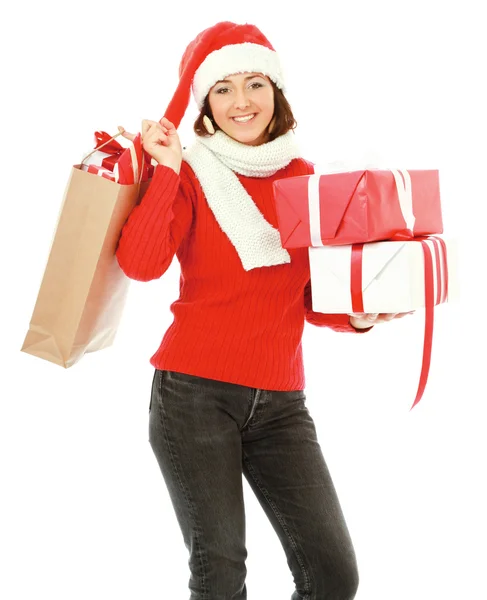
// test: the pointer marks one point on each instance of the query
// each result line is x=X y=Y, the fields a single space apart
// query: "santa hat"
x=219 y=51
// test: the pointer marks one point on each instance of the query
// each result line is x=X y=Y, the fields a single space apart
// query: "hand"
x=364 y=320
x=160 y=139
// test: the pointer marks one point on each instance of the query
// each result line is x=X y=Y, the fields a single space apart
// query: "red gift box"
x=98 y=170
x=357 y=207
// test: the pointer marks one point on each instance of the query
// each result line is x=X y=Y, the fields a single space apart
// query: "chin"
x=248 y=138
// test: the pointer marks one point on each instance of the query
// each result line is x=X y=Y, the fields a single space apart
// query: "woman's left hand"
x=365 y=320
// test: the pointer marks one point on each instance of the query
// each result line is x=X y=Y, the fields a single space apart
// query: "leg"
x=198 y=447
x=285 y=467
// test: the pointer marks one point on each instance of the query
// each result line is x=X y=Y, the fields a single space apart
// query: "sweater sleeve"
x=156 y=226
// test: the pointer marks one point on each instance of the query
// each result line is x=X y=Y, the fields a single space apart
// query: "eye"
x=257 y=84
x=219 y=91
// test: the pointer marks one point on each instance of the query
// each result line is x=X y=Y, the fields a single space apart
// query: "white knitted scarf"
x=215 y=160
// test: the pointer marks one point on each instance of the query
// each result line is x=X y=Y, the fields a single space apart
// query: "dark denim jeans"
x=204 y=434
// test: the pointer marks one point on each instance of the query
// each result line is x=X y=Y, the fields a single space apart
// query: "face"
x=241 y=95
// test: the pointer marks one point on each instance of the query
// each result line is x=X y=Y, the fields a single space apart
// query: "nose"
x=241 y=99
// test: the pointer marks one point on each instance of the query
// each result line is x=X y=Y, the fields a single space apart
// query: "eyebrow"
x=245 y=79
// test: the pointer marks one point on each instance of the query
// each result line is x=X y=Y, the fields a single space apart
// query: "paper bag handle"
x=101 y=146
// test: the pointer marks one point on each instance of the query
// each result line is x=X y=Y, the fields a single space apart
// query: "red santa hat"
x=221 y=50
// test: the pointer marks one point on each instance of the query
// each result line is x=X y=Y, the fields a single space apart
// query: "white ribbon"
x=314 y=209
x=404 y=192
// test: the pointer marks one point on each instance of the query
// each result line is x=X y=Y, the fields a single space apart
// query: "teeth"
x=243 y=119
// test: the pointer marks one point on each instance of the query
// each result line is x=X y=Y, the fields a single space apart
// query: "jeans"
x=204 y=434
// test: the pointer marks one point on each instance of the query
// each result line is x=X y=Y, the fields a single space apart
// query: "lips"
x=244 y=122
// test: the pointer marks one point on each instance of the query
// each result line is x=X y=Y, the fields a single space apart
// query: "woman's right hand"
x=160 y=139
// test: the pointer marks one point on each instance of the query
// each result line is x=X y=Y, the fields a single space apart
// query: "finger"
x=167 y=123
x=371 y=316
x=126 y=134
x=389 y=316
x=146 y=125
x=156 y=128
x=169 y=128
x=155 y=134
x=362 y=322
x=152 y=133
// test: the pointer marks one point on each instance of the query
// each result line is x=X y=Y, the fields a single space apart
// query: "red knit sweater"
x=229 y=324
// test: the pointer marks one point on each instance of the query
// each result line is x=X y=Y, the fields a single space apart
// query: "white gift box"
x=96 y=158
x=388 y=277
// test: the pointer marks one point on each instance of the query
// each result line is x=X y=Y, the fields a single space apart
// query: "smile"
x=243 y=120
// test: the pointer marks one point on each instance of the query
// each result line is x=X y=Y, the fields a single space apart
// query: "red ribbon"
x=113 y=148
x=356 y=278
x=430 y=299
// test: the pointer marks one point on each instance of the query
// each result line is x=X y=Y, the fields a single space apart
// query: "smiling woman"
x=242 y=106
x=254 y=91
x=229 y=373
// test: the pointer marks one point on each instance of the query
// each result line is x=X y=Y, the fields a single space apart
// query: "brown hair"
x=282 y=121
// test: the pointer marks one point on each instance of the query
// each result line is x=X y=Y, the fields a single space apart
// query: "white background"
x=84 y=512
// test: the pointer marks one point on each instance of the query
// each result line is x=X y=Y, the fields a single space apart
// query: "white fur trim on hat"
x=236 y=58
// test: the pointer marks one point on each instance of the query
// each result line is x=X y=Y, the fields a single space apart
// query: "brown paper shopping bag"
x=83 y=290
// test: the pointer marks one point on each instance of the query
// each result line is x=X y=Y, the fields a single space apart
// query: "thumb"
x=126 y=134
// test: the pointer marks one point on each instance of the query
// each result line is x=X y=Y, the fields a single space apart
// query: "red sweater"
x=243 y=327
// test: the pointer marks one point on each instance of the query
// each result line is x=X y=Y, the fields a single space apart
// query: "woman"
x=227 y=394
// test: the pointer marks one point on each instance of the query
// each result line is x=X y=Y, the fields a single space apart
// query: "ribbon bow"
x=109 y=147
